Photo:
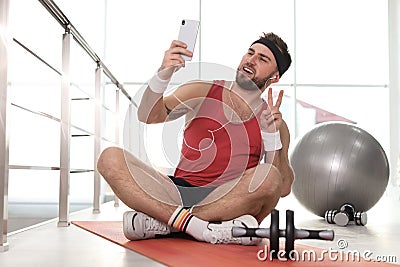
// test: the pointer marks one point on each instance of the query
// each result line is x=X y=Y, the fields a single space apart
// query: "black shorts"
x=190 y=194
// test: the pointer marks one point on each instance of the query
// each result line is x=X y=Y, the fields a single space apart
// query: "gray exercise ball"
x=337 y=163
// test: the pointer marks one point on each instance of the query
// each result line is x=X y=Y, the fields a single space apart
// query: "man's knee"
x=267 y=180
x=274 y=181
x=268 y=194
x=109 y=159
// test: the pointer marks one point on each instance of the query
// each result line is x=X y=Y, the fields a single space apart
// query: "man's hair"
x=286 y=59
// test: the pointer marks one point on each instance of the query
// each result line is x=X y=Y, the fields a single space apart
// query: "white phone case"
x=188 y=34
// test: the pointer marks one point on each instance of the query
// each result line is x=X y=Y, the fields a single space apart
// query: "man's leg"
x=235 y=198
x=143 y=189
x=138 y=185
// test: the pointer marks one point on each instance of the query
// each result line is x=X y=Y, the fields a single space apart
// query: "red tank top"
x=215 y=150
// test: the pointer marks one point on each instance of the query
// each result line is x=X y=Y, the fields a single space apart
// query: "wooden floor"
x=48 y=245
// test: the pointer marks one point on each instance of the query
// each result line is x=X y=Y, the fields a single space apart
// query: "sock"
x=186 y=222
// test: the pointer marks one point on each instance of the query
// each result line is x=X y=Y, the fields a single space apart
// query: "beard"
x=250 y=84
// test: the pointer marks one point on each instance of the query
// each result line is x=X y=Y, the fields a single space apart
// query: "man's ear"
x=275 y=79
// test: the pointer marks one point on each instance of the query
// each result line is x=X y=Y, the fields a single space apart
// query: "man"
x=220 y=181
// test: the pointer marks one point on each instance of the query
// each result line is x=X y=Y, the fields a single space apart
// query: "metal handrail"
x=56 y=12
x=71 y=31
x=65 y=124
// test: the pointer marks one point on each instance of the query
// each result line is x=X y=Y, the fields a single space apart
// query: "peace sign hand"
x=271 y=118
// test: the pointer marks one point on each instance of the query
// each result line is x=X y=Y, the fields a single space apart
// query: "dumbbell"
x=290 y=233
x=330 y=215
x=360 y=218
x=345 y=215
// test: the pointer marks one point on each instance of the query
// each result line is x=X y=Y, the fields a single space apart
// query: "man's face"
x=256 y=67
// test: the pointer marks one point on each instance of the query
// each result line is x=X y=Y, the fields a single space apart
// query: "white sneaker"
x=138 y=226
x=222 y=233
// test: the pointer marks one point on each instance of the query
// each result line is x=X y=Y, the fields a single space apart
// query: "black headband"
x=282 y=60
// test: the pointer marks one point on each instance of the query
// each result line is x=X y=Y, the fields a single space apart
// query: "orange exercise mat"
x=179 y=251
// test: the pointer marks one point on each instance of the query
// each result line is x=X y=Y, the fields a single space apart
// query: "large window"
x=340 y=51
x=342 y=61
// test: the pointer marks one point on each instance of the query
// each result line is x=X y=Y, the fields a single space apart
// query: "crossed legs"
x=144 y=189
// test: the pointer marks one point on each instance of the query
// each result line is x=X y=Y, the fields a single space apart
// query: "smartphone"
x=188 y=34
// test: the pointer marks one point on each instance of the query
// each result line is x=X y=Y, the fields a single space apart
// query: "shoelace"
x=155 y=225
